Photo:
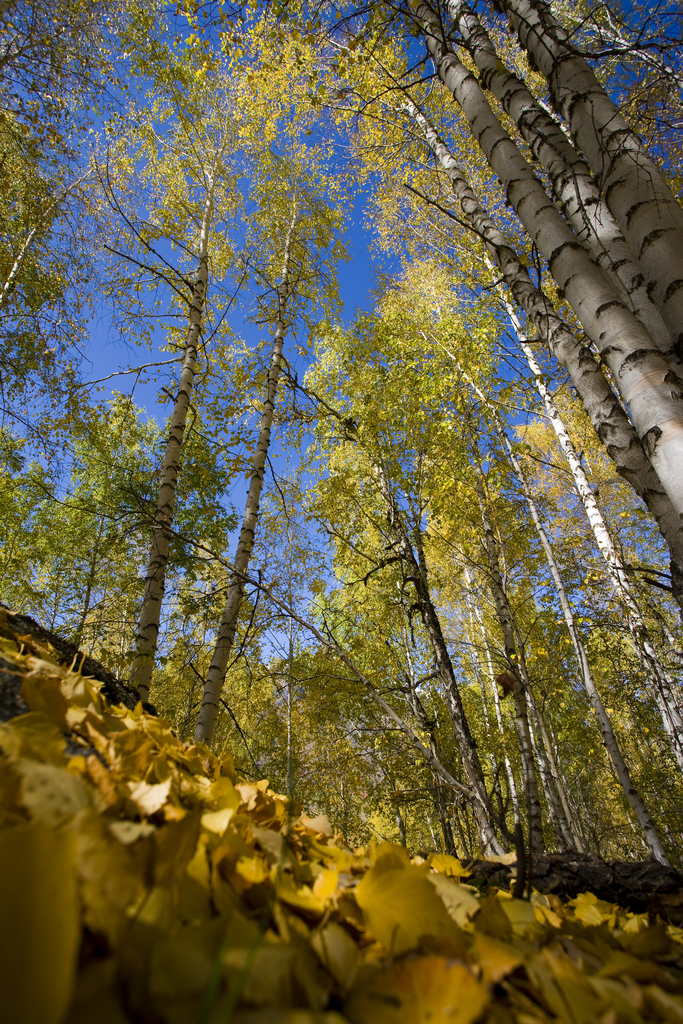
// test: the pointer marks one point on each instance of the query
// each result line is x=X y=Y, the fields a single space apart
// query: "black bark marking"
x=633 y=209
x=672 y=289
x=640 y=353
x=653 y=237
x=650 y=440
x=608 y=305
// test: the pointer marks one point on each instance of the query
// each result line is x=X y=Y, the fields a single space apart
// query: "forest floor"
x=141 y=880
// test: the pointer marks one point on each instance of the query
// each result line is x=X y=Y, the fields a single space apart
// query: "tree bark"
x=662 y=685
x=606 y=414
x=504 y=613
x=413 y=557
x=428 y=726
x=475 y=613
x=637 y=195
x=609 y=738
x=235 y=594
x=155 y=580
x=575 y=188
x=649 y=388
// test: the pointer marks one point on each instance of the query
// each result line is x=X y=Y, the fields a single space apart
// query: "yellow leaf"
x=428 y=990
x=495 y=958
x=129 y=831
x=217 y=821
x=112 y=879
x=388 y=856
x=492 y=919
x=316 y=826
x=326 y=883
x=33 y=735
x=565 y=989
x=459 y=900
x=174 y=847
x=39 y=923
x=592 y=911
x=251 y=869
x=149 y=799
x=42 y=690
x=52 y=795
x=338 y=952
x=400 y=906
x=502 y=858
x=298 y=896
x=522 y=917
x=447 y=865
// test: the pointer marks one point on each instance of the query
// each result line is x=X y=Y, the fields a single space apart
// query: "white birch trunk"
x=663 y=687
x=642 y=373
x=233 y=600
x=155 y=579
x=607 y=416
x=608 y=735
x=637 y=195
x=504 y=613
x=575 y=188
x=475 y=613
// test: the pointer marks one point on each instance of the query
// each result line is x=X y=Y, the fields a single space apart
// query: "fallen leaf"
x=128 y=832
x=39 y=923
x=149 y=799
x=459 y=900
x=51 y=795
x=338 y=952
x=496 y=959
x=400 y=906
x=427 y=990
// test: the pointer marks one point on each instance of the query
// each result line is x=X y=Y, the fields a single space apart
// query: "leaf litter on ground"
x=142 y=880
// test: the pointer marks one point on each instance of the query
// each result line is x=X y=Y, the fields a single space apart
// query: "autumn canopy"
x=341 y=512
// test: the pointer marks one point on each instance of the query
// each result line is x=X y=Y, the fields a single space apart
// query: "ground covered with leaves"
x=141 y=880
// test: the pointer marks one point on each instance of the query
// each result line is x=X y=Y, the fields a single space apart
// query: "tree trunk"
x=576 y=190
x=608 y=736
x=643 y=375
x=637 y=195
x=233 y=600
x=607 y=416
x=660 y=682
x=504 y=612
x=467 y=748
x=427 y=726
x=155 y=580
x=475 y=613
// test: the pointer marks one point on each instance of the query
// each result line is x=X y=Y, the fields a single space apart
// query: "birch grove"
x=640 y=370
x=607 y=415
x=402 y=536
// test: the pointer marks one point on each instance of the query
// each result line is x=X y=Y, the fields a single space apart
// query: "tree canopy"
x=380 y=570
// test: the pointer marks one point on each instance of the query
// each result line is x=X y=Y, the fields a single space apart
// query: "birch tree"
x=611 y=424
x=640 y=370
x=635 y=190
x=190 y=176
x=608 y=734
x=296 y=234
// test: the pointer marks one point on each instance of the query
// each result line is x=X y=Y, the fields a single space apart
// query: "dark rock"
x=11 y=703
x=67 y=654
x=644 y=886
